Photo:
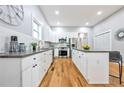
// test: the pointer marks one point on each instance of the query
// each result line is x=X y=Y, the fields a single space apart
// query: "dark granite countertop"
x=22 y=54
x=91 y=51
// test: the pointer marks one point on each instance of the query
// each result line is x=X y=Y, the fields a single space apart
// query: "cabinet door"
x=50 y=56
x=56 y=52
x=46 y=34
x=26 y=77
x=35 y=75
x=98 y=68
x=41 y=66
x=72 y=55
x=44 y=63
x=36 y=70
x=78 y=60
x=83 y=65
x=75 y=57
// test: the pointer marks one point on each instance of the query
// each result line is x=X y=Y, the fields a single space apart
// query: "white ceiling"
x=77 y=15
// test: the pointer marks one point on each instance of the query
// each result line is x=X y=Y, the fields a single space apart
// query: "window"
x=36 y=29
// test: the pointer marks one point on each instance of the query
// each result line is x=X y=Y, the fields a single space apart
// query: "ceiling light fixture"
x=99 y=12
x=57 y=12
x=58 y=23
x=87 y=23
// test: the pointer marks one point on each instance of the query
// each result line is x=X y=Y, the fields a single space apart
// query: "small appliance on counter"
x=22 y=47
x=14 y=47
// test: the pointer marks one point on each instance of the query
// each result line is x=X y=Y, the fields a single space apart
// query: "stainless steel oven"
x=63 y=52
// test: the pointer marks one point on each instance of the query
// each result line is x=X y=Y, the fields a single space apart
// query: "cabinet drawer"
x=29 y=61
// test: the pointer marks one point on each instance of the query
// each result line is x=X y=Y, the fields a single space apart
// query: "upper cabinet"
x=46 y=33
x=49 y=35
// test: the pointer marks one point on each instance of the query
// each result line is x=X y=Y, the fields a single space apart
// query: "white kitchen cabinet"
x=36 y=71
x=31 y=66
x=94 y=66
x=56 y=54
x=49 y=35
x=46 y=34
x=24 y=71
x=26 y=77
x=79 y=60
x=41 y=75
x=46 y=60
x=74 y=57
x=35 y=75
x=83 y=64
x=50 y=56
x=98 y=68
x=10 y=74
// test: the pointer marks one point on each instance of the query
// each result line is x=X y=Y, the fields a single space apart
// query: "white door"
x=103 y=41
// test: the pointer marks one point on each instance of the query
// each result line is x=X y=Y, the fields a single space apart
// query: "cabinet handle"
x=34 y=58
x=35 y=64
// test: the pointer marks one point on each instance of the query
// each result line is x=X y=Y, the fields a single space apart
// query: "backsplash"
x=5 y=35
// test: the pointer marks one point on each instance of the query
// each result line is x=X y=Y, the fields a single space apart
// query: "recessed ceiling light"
x=87 y=23
x=58 y=23
x=99 y=12
x=57 y=12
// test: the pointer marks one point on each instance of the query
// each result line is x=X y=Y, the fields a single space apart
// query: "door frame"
x=102 y=33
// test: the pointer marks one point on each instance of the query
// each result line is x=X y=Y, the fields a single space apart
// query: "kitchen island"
x=24 y=69
x=93 y=65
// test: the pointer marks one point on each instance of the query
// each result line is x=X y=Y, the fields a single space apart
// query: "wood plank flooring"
x=63 y=73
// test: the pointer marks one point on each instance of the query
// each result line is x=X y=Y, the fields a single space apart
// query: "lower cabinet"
x=83 y=65
x=26 y=71
x=93 y=66
x=56 y=52
x=98 y=68
x=40 y=65
x=26 y=77
x=35 y=75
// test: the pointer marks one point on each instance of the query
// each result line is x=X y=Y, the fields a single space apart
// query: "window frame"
x=39 y=31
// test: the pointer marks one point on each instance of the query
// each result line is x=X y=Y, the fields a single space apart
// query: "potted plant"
x=86 y=47
x=34 y=45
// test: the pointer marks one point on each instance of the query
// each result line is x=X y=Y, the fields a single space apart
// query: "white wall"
x=26 y=26
x=23 y=31
x=113 y=23
x=71 y=32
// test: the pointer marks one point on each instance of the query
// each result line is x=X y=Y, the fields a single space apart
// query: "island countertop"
x=22 y=54
x=91 y=51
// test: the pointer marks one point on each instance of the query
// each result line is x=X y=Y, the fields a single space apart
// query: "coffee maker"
x=14 y=47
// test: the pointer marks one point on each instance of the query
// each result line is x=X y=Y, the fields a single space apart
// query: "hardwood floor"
x=63 y=73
